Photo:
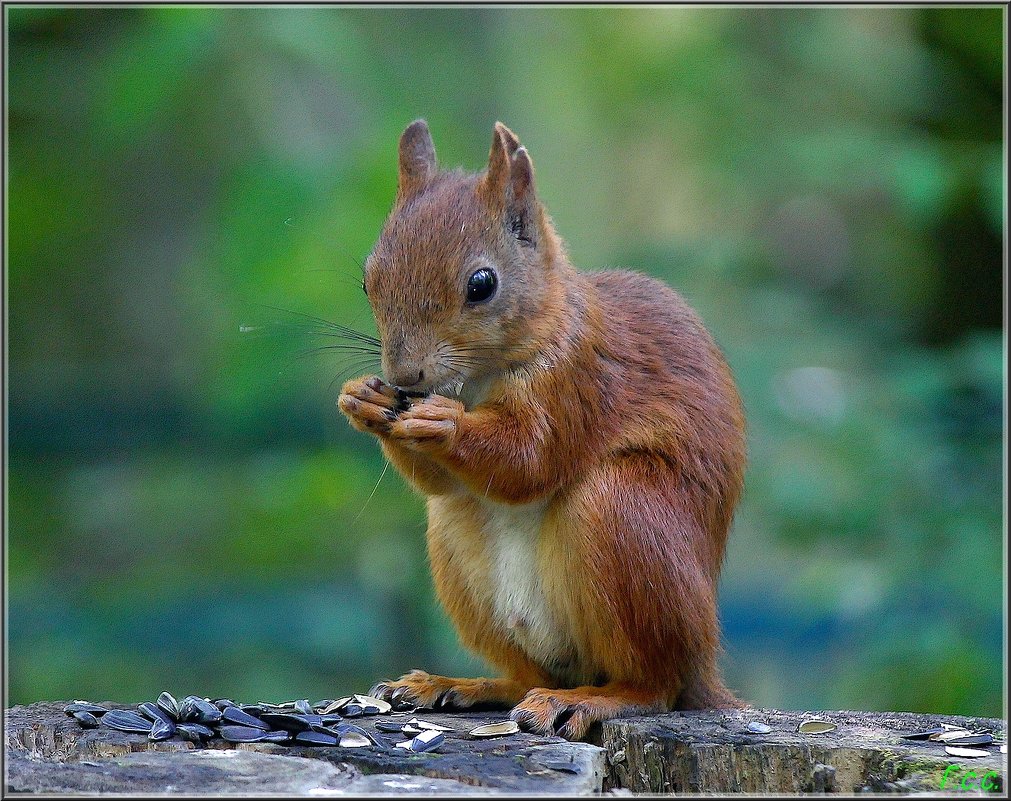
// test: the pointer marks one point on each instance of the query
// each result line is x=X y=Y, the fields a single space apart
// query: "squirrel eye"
x=481 y=285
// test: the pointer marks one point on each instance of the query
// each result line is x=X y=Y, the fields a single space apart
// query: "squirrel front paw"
x=421 y=689
x=428 y=424
x=423 y=424
x=371 y=405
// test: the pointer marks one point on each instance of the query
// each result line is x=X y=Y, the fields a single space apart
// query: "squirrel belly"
x=485 y=559
x=580 y=441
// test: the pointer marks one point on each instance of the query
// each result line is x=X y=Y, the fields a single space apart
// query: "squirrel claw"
x=564 y=713
x=448 y=700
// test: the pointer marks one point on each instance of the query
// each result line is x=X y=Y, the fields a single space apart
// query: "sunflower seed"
x=922 y=735
x=168 y=705
x=384 y=707
x=424 y=724
x=968 y=753
x=345 y=728
x=335 y=706
x=496 y=729
x=224 y=703
x=389 y=726
x=286 y=706
x=154 y=713
x=971 y=739
x=123 y=720
x=402 y=403
x=84 y=706
x=246 y=734
x=755 y=727
x=207 y=713
x=162 y=729
x=426 y=741
x=951 y=734
x=290 y=721
x=188 y=711
x=352 y=710
x=236 y=717
x=353 y=739
x=86 y=719
x=816 y=727
x=194 y=732
x=303 y=707
x=240 y=734
x=315 y=738
x=319 y=706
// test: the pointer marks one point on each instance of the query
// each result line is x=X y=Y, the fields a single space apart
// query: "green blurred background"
x=187 y=509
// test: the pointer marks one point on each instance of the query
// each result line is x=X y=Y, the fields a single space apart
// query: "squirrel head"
x=465 y=279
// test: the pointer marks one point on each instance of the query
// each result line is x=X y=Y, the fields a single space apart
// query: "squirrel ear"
x=508 y=185
x=521 y=205
x=417 y=159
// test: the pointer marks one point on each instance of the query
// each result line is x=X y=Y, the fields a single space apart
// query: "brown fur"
x=601 y=399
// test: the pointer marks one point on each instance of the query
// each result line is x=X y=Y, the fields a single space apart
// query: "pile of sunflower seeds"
x=200 y=720
x=956 y=739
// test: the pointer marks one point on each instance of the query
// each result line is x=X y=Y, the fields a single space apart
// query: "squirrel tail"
x=706 y=690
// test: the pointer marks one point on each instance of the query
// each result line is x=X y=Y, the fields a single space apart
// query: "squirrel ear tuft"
x=508 y=185
x=509 y=139
x=522 y=175
x=417 y=159
x=503 y=145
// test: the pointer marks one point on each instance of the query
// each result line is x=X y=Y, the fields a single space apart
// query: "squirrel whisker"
x=350 y=348
x=353 y=368
x=331 y=328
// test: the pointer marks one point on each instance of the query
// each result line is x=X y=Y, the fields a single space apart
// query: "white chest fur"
x=517 y=593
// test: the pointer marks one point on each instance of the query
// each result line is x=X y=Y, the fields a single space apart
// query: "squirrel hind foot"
x=571 y=713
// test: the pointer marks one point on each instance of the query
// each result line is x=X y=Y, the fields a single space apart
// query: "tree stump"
x=691 y=752
x=47 y=751
x=714 y=752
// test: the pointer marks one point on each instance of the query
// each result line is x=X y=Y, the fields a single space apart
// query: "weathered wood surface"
x=691 y=752
x=47 y=751
x=705 y=752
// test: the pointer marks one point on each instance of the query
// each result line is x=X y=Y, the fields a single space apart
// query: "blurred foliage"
x=188 y=512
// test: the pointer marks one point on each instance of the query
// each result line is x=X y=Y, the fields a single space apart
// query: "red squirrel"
x=580 y=442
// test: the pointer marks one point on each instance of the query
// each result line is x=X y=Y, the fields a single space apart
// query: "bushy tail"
x=705 y=690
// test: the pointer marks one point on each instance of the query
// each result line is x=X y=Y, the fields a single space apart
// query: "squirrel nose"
x=407 y=379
